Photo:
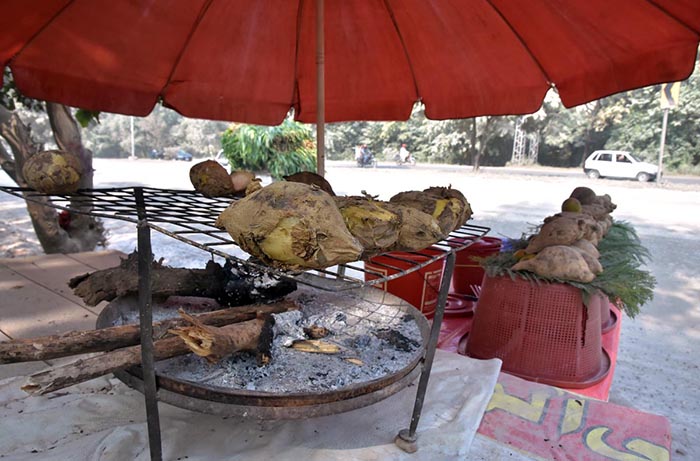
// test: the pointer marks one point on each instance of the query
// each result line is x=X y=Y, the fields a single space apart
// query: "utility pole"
x=670 y=97
x=519 y=142
x=133 y=145
x=663 y=144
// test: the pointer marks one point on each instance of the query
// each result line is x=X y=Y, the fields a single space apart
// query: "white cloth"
x=403 y=153
x=105 y=420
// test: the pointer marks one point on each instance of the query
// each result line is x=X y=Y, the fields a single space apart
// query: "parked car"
x=154 y=154
x=183 y=155
x=618 y=164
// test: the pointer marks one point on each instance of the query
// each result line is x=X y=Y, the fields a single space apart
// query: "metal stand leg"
x=146 y=328
x=407 y=439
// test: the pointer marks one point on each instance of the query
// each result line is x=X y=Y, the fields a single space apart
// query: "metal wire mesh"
x=189 y=217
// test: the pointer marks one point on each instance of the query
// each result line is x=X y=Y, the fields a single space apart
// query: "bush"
x=281 y=150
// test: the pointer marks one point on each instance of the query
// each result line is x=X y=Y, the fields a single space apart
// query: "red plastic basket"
x=419 y=288
x=542 y=332
x=608 y=318
x=468 y=271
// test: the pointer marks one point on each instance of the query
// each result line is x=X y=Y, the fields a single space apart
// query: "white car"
x=618 y=164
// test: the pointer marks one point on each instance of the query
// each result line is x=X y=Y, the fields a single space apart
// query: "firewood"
x=82 y=370
x=60 y=377
x=217 y=343
x=107 y=284
x=107 y=339
x=231 y=285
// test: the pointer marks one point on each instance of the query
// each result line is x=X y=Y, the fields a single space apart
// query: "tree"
x=79 y=232
x=280 y=150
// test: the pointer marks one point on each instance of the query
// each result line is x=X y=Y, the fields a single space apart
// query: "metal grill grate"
x=189 y=216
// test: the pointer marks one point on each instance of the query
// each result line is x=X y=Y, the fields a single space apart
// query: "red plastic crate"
x=542 y=332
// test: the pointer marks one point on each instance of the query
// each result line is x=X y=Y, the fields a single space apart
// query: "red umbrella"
x=252 y=60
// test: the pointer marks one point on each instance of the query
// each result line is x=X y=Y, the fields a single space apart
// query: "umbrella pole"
x=320 y=92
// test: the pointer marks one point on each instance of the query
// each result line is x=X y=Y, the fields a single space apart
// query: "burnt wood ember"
x=230 y=285
x=215 y=343
x=397 y=339
x=106 y=339
x=316 y=332
x=246 y=285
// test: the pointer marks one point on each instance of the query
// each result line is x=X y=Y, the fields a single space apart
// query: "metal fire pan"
x=271 y=405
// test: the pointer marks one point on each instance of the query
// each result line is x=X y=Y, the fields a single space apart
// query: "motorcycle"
x=367 y=160
x=408 y=161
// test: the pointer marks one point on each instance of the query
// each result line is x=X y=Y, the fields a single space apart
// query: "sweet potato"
x=417 y=230
x=560 y=230
x=588 y=247
x=211 y=179
x=291 y=225
x=448 y=206
x=560 y=262
x=375 y=227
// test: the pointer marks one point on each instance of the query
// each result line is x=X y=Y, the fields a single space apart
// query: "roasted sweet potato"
x=291 y=225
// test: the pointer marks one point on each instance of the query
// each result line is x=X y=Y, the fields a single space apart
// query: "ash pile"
x=363 y=340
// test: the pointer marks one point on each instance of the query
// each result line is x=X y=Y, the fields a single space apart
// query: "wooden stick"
x=216 y=343
x=107 y=284
x=82 y=370
x=107 y=339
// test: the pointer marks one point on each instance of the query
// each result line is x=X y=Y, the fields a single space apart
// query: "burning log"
x=53 y=379
x=107 y=339
x=230 y=285
x=216 y=343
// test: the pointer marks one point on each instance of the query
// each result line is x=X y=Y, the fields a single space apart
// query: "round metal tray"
x=282 y=405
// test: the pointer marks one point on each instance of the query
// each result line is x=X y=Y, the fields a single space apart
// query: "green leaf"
x=84 y=117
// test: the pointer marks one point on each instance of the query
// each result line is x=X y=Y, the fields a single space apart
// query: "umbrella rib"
x=522 y=42
x=403 y=46
x=295 y=91
x=672 y=16
x=196 y=23
x=40 y=30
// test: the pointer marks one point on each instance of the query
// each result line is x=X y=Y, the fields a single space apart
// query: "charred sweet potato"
x=291 y=225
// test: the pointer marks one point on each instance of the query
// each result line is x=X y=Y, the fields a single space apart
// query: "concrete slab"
x=28 y=309
x=98 y=260
x=54 y=271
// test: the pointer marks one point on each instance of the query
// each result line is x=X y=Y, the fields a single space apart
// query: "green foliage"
x=280 y=150
x=623 y=280
x=85 y=117
x=11 y=98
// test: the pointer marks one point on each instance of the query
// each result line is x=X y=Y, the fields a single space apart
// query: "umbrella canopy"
x=251 y=61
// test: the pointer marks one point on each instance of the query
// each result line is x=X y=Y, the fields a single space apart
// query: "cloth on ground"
x=104 y=420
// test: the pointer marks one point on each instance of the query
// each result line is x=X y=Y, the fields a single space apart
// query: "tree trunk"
x=18 y=136
x=475 y=151
x=83 y=233
x=86 y=231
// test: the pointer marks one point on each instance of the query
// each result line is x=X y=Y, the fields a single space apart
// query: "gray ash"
x=395 y=338
x=380 y=335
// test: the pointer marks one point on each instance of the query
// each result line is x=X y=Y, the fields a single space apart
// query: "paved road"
x=537 y=171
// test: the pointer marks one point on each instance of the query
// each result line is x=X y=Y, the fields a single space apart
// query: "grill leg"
x=146 y=329
x=407 y=439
